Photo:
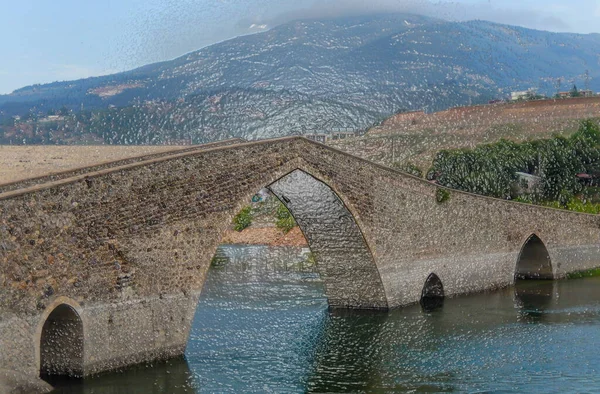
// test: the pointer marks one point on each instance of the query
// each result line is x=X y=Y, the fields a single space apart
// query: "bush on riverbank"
x=243 y=219
x=285 y=220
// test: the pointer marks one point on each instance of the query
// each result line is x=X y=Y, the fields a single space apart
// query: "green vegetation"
x=491 y=170
x=243 y=219
x=591 y=194
x=311 y=260
x=575 y=204
x=442 y=195
x=584 y=274
x=531 y=96
x=575 y=92
x=285 y=220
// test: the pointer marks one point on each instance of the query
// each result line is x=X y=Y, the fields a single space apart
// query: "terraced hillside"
x=416 y=136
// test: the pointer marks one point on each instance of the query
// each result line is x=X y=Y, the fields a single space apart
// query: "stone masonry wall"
x=25 y=183
x=131 y=245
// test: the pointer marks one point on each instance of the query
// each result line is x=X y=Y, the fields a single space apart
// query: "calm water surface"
x=263 y=326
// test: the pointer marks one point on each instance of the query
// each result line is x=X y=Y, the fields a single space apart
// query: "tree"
x=575 y=92
x=586 y=143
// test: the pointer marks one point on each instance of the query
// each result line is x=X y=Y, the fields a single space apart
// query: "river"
x=263 y=326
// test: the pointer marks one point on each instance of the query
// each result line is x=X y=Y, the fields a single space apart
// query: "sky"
x=43 y=41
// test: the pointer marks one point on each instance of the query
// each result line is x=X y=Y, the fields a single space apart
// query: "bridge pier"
x=136 y=331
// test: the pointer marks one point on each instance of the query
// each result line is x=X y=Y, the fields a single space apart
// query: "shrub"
x=243 y=219
x=442 y=195
x=285 y=220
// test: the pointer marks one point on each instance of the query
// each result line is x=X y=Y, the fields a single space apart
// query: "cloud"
x=344 y=8
x=532 y=17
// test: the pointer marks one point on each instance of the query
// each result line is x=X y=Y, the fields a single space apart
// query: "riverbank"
x=271 y=236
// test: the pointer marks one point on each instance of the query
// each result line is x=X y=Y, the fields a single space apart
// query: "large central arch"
x=343 y=258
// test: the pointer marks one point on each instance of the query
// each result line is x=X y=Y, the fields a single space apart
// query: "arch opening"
x=534 y=261
x=61 y=344
x=338 y=249
x=343 y=258
x=432 y=295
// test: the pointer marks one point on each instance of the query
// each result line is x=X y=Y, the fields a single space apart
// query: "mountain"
x=308 y=76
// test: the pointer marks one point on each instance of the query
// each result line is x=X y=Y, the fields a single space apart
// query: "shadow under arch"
x=61 y=344
x=343 y=258
x=534 y=287
x=432 y=295
x=534 y=261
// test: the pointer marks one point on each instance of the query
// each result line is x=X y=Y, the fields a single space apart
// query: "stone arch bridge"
x=114 y=257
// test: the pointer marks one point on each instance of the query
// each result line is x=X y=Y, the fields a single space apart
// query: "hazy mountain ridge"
x=347 y=72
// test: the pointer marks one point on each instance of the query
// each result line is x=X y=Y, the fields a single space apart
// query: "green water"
x=263 y=326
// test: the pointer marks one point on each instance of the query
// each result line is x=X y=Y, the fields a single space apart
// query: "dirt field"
x=416 y=137
x=22 y=162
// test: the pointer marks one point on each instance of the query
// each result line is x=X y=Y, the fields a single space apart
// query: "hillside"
x=308 y=76
x=416 y=137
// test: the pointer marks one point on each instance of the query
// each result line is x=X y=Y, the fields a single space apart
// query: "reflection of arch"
x=61 y=342
x=534 y=260
x=343 y=257
x=533 y=297
x=432 y=295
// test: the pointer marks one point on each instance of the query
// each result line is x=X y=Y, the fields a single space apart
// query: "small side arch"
x=60 y=340
x=534 y=261
x=432 y=295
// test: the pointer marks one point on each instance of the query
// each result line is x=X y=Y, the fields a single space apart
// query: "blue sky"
x=44 y=41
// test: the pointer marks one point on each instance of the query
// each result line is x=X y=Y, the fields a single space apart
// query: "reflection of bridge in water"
x=115 y=257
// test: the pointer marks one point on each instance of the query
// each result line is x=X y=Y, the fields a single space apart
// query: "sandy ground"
x=22 y=162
